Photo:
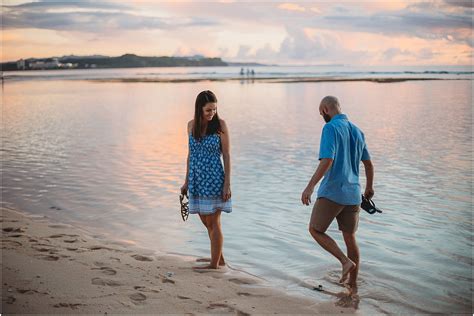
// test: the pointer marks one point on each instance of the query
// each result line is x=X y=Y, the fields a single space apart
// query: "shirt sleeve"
x=365 y=151
x=327 y=147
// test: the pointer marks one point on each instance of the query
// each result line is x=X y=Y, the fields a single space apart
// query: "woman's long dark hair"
x=214 y=126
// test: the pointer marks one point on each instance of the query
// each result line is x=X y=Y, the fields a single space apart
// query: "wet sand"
x=49 y=267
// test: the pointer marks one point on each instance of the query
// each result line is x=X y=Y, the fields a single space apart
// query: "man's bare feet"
x=347 y=267
x=352 y=288
x=221 y=263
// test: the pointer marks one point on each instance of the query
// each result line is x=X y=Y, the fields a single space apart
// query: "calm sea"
x=110 y=156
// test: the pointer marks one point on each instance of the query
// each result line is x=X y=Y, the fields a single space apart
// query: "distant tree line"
x=124 y=61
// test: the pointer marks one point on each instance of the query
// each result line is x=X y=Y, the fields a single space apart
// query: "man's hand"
x=306 y=195
x=369 y=193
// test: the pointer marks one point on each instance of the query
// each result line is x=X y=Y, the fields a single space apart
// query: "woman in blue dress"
x=207 y=181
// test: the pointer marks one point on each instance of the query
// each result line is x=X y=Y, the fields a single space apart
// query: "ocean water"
x=260 y=72
x=110 y=156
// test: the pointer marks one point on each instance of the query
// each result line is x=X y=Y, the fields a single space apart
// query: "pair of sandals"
x=369 y=206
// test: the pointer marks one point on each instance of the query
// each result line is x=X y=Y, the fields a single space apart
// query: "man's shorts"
x=324 y=212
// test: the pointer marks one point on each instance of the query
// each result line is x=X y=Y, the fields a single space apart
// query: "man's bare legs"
x=331 y=246
x=213 y=225
x=353 y=254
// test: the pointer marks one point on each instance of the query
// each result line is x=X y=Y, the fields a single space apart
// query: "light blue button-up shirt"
x=343 y=142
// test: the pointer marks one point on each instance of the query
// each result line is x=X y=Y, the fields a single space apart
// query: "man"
x=342 y=149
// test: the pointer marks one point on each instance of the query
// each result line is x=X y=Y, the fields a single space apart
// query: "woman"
x=207 y=182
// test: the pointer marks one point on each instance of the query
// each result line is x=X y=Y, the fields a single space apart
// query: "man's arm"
x=369 y=175
x=324 y=165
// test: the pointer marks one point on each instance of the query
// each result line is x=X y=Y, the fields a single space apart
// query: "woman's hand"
x=226 y=194
x=184 y=188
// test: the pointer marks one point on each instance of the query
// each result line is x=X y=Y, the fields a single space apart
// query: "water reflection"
x=113 y=157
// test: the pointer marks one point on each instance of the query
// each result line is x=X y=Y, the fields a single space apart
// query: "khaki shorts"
x=324 y=212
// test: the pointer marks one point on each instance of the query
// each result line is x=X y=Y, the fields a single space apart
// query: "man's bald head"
x=329 y=107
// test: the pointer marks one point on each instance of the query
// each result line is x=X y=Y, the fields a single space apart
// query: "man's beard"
x=327 y=118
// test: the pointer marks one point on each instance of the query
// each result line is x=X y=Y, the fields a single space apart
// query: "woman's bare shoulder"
x=190 y=126
x=223 y=123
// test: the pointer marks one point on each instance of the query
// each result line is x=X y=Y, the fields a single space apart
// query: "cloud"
x=89 y=17
x=396 y=54
x=300 y=47
x=291 y=7
x=285 y=32
x=316 y=10
x=243 y=53
x=460 y=3
x=427 y=25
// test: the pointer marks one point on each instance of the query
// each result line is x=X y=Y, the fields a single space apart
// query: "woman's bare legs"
x=213 y=225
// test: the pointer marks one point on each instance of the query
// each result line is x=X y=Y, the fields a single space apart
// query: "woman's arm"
x=225 y=143
x=184 y=188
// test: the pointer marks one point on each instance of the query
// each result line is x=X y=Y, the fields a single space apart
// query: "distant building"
x=21 y=65
x=50 y=63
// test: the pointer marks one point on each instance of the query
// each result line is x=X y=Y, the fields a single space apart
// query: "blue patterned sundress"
x=206 y=176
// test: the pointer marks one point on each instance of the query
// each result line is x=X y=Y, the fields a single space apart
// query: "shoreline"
x=16 y=78
x=265 y=80
x=50 y=267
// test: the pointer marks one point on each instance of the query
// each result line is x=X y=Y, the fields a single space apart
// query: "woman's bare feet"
x=207 y=267
x=221 y=262
x=347 y=267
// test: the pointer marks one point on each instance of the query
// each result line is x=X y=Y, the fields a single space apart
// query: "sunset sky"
x=307 y=32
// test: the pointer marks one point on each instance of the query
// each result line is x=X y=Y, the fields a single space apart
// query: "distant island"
x=124 y=61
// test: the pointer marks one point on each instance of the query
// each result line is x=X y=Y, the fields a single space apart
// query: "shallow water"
x=111 y=157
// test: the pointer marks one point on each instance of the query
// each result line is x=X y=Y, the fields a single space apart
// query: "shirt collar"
x=339 y=117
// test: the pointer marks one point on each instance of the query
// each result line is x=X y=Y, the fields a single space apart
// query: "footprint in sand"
x=60 y=226
x=16 y=235
x=43 y=248
x=109 y=282
x=62 y=235
x=98 y=247
x=13 y=230
x=243 y=281
x=144 y=289
x=138 y=297
x=222 y=308
x=9 y=244
x=8 y=220
x=30 y=291
x=48 y=257
x=106 y=270
x=142 y=258
x=166 y=280
x=70 y=305
x=10 y=300
x=249 y=294
x=70 y=240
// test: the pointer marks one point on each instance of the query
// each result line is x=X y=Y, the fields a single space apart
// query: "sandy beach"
x=49 y=267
